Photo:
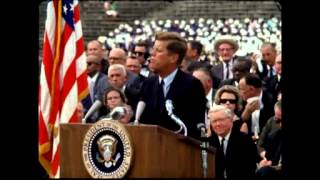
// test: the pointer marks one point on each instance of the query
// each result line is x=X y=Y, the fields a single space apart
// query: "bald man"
x=119 y=56
x=95 y=47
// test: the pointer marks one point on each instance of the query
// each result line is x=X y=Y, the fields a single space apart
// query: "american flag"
x=63 y=78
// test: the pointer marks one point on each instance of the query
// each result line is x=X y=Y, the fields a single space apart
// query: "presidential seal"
x=107 y=150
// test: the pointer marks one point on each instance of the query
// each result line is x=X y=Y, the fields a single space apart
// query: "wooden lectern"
x=158 y=153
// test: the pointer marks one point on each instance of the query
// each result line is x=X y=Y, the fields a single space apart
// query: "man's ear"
x=174 y=58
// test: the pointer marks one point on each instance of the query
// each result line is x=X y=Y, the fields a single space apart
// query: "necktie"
x=161 y=96
x=222 y=146
x=270 y=71
x=222 y=160
x=227 y=74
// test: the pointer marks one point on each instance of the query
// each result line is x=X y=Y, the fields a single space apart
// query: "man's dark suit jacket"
x=273 y=86
x=87 y=103
x=241 y=156
x=188 y=98
x=231 y=82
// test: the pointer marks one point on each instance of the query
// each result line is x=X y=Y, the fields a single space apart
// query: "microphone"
x=118 y=112
x=95 y=106
x=169 y=106
x=176 y=119
x=140 y=108
x=202 y=129
x=204 y=145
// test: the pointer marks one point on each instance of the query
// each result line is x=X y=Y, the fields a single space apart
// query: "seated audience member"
x=259 y=104
x=241 y=67
x=229 y=97
x=115 y=98
x=133 y=65
x=269 y=129
x=203 y=74
x=270 y=147
x=236 y=154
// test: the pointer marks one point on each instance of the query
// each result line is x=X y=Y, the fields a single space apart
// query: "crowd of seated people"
x=250 y=33
x=241 y=90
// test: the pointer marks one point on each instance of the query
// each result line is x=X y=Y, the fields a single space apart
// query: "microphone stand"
x=204 y=154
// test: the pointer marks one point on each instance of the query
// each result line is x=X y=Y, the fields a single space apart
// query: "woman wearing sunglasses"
x=229 y=97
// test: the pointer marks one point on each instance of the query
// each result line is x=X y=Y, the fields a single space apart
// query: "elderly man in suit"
x=185 y=91
x=237 y=154
x=225 y=47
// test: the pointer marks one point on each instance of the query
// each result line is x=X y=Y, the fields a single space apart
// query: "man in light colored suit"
x=226 y=47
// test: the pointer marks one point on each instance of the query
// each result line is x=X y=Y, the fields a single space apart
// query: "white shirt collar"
x=168 y=80
x=209 y=97
x=94 y=78
x=226 y=138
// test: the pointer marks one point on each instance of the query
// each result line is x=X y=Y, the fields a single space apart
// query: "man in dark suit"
x=273 y=85
x=96 y=79
x=269 y=53
x=185 y=91
x=194 y=51
x=237 y=154
x=271 y=164
x=225 y=47
x=259 y=104
x=241 y=67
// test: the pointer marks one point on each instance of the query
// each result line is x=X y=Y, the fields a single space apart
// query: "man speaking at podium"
x=170 y=83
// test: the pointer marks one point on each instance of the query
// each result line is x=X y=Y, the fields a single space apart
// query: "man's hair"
x=242 y=64
x=197 y=46
x=278 y=104
x=205 y=71
x=142 y=43
x=176 y=43
x=253 y=80
x=118 y=66
x=272 y=45
x=217 y=108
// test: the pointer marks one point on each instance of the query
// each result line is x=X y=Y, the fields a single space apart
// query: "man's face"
x=161 y=58
x=225 y=51
x=278 y=64
x=268 y=54
x=133 y=65
x=93 y=66
x=139 y=52
x=116 y=78
x=220 y=123
x=190 y=52
x=94 y=48
x=277 y=114
x=116 y=56
x=245 y=90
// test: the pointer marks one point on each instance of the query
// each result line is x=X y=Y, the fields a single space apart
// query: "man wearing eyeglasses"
x=236 y=154
x=225 y=47
x=141 y=51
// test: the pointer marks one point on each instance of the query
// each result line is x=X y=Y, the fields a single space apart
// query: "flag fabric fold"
x=63 y=78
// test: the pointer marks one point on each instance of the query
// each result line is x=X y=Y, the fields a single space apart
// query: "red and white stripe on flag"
x=63 y=78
